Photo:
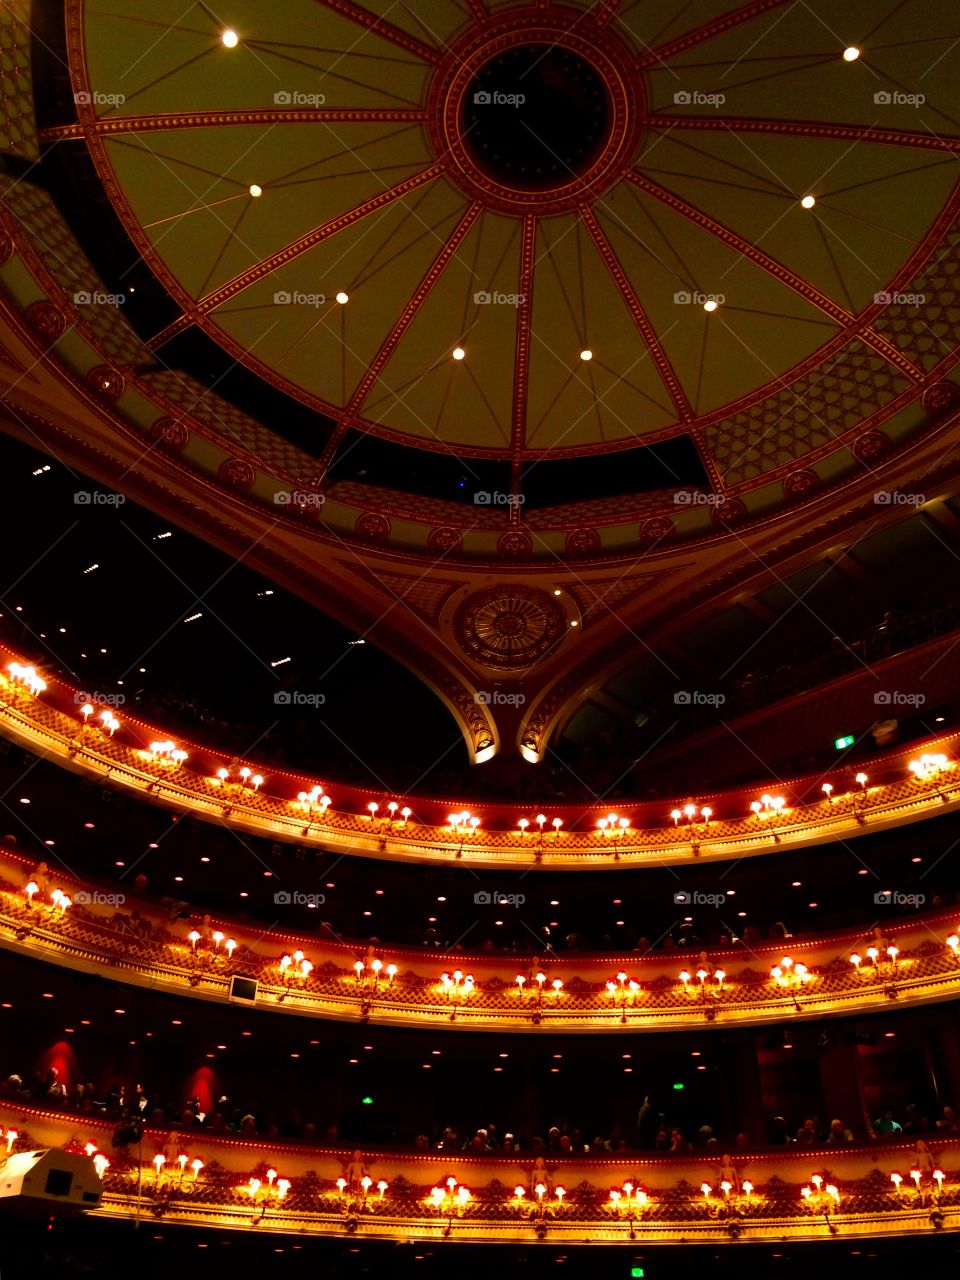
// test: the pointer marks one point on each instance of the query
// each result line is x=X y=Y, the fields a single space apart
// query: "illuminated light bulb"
x=893 y=952
x=615 y=1197
x=706 y=814
x=523 y=824
x=231 y=946
x=32 y=887
x=540 y=979
x=343 y=298
x=915 y=1175
x=726 y=1187
x=623 y=824
x=159 y=1160
x=342 y=1182
x=711 y=304
x=805 y=1192
x=856 y=961
x=720 y=975
x=373 y=807
x=540 y=1190
x=306 y=968
x=621 y=977
x=458 y=353
x=182 y=1160
x=436 y=1195
x=557 y=985
x=684 y=977
x=382 y=1186
x=817 y=1181
x=872 y=952
x=519 y=1192
x=298 y=956
x=283 y=1186
x=641 y=1198
x=690 y=810
x=851 y=53
x=86 y=710
x=101 y=1164
x=896 y=1179
x=194 y=937
x=366 y=1182
x=747 y=1188
x=862 y=779
x=833 y=1193
x=938 y=1178
x=706 y=1188
x=359 y=967
x=756 y=806
x=391 y=972
x=257 y=781
x=376 y=965
x=196 y=1165
x=405 y=813
x=612 y=988
x=560 y=1192
x=776 y=972
x=451 y=1182
x=285 y=963
x=557 y=823
x=90 y=1148
x=586 y=354
x=463 y=1195
x=218 y=938
x=229 y=39
x=953 y=942
x=253 y=1186
x=520 y=981
x=255 y=190
x=634 y=986
x=223 y=775
x=11 y=1136
x=675 y=815
x=808 y=202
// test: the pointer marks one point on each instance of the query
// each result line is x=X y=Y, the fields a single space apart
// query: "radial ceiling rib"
x=110 y=126
x=294 y=250
x=383 y=28
x=606 y=12
x=708 y=31
x=840 y=315
x=628 y=293
x=403 y=322
x=478 y=9
x=808 y=129
x=521 y=360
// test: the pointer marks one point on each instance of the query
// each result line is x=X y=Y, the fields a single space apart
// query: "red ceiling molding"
x=7 y=248
x=170 y=435
x=373 y=527
x=445 y=538
x=46 y=320
x=941 y=398
x=800 y=484
x=871 y=446
x=728 y=511
x=583 y=542
x=515 y=544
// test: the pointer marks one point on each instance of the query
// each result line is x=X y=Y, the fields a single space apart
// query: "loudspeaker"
x=48 y=1179
x=243 y=990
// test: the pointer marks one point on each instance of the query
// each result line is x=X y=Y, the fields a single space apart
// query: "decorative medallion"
x=871 y=446
x=800 y=484
x=729 y=511
x=509 y=626
x=46 y=320
x=236 y=474
x=373 y=527
x=170 y=435
x=940 y=399
x=6 y=248
x=445 y=538
x=657 y=529
x=515 y=543
x=105 y=383
x=583 y=542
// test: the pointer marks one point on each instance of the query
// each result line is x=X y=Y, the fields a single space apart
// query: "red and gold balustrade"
x=91 y=737
x=200 y=1180
x=126 y=938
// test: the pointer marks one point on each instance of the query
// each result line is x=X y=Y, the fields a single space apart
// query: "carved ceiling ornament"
x=509 y=626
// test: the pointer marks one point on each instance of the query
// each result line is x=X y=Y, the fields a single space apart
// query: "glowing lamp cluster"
x=26 y=677
x=463 y=823
x=194 y=937
x=296 y=965
x=309 y=801
x=167 y=753
x=790 y=973
x=541 y=821
x=690 y=814
x=929 y=765
x=450 y=1195
x=376 y=972
x=768 y=806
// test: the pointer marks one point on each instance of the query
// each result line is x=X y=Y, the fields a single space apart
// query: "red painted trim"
x=386 y=30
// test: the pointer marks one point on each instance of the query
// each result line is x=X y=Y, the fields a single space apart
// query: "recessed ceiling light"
x=458 y=353
x=558 y=592
x=586 y=354
x=229 y=39
x=808 y=202
x=710 y=304
x=851 y=54
x=574 y=622
x=343 y=298
x=255 y=190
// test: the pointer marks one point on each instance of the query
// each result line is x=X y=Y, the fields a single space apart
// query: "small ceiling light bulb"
x=343 y=298
x=229 y=39
x=255 y=190
x=458 y=353
x=710 y=304
x=851 y=53
x=808 y=202
x=586 y=354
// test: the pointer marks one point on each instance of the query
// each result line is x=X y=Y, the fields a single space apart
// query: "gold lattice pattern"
x=18 y=128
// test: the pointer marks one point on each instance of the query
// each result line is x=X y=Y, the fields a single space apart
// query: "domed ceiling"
x=528 y=186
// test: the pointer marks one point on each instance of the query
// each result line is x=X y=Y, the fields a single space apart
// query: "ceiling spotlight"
x=458 y=353
x=808 y=202
x=343 y=298
x=851 y=54
x=229 y=39
x=711 y=304
x=255 y=190
x=586 y=354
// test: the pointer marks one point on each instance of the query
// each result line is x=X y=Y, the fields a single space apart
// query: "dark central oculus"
x=536 y=117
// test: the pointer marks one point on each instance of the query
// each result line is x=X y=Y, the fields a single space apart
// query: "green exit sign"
x=842 y=743
x=637 y=1272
